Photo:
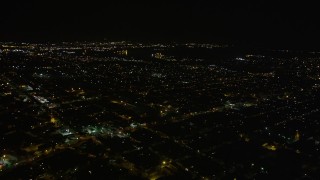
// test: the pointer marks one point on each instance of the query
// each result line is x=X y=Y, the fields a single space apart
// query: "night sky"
x=260 y=23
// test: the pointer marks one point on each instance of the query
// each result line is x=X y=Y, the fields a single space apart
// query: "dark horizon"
x=259 y=24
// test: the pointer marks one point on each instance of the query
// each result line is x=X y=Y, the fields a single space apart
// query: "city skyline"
x=159 y=90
